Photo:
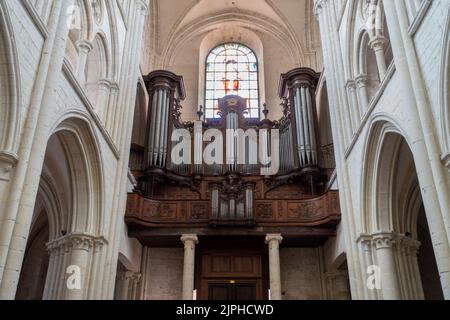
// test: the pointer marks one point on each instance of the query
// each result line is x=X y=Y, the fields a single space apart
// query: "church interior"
x=225 y=150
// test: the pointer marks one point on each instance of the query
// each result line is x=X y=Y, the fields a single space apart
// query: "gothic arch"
x=383 y=142
x=350 y=33
x=9 y=87
x=366 y=64
x=79 y=31
x=98 y=69
x=391 y=197
x=78 y=144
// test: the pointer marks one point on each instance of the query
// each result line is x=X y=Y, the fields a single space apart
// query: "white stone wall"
x=48 y=92
x=412 y=98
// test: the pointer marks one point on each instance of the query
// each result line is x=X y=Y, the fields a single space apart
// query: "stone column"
x=377 y=45
x=361 y=85
x=16 y=217
x=426 y=149
x=127 y=285
x=366 y=253
x=273 y=241
x=189 y=241
x=111 y=110
x=84 y=47
x=384 y=243
x=408 y=249
x=71 y=271
x=101 y=104
x=356 y=113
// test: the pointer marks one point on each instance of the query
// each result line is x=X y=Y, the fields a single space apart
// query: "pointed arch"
x=79 y=146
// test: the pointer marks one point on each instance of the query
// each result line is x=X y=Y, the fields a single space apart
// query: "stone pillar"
x=354 y=113
x=366 y=250
x=338 y=285
x=189 y=241
x=384 y=243
x=127 y=284
x=361 y=85
x=111 y=110
x=426 y=149
x=71 y=271
x=407 y=250
x=84 y=47
x=273 y=241
x=101 y=104
x=377 y=45
x=16 y=217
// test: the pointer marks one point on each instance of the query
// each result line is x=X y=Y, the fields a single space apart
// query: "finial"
x=200 y=113
x=265 y=110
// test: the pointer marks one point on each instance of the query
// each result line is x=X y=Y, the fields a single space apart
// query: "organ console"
x=235 y=171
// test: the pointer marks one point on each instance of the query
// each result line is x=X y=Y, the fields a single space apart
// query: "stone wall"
x=301 y=274
x=163 y=274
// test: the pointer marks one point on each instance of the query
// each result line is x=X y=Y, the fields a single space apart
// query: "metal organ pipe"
x=298 y=87
x=151 y=139
x=305 y=122
x=158 y=128
x=312 y=132
x=304 y=119
x=300 y=127
x=165 y=125
x=165 y=86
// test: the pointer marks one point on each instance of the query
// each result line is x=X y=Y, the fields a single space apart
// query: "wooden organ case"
x=233 y=202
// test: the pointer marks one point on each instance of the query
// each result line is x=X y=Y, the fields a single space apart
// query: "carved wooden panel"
x=231 y=265
x=264 y=210
x=305 y=211
x=199 y=211
x=308 y=212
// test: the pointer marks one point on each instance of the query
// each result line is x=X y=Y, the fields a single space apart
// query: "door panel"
x=233 y=291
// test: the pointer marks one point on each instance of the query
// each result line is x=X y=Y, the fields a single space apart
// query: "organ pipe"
x=298 y=87
x=164 y=88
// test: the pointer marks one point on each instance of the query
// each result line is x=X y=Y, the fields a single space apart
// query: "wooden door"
x=231 y=272
x=231 y=290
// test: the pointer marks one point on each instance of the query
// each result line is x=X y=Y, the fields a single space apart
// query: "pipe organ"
x=165 y=90
x=226 y=177
x=297 y=88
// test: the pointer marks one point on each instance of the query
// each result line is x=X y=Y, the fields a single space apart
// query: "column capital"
x=79 y=241
x=365 y=240
x=129 y=275
x=384 y=240
x=189 y=239
x=84 y=45
x=106 y=83
x=361 y=80
x=8 y=161
x=378 y=43
x=350 y=84
x=274 y=237
x=408 y=244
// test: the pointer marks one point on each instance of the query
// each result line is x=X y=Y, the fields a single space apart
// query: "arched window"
x=231 y=69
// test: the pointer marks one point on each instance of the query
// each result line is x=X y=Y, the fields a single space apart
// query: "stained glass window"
x=231 y=69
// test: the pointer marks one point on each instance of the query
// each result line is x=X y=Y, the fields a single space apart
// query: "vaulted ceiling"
x=290 y=22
